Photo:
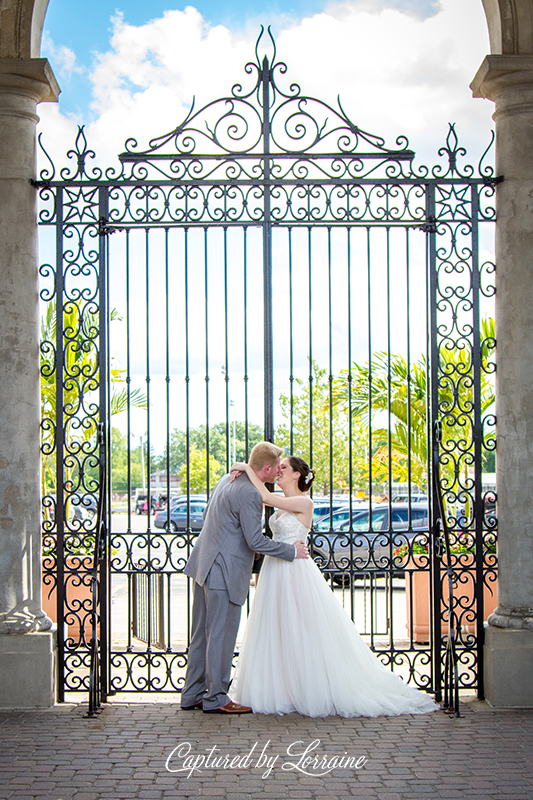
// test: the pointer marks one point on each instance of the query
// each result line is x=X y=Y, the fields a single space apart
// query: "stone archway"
x=26 y=662
x=21 y=26
x=510 y=24
x=506 y=77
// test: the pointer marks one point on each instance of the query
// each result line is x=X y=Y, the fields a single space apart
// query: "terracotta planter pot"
x=79 y=597
x=419 y=594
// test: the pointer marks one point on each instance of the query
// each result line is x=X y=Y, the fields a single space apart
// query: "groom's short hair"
x=263 y=454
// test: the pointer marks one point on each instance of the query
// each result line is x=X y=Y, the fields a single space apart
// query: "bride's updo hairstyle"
x=307 y=475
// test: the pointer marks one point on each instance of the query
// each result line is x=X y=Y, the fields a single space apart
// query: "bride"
x=301 y=652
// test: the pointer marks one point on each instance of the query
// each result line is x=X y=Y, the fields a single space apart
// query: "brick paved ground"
x=121 y=755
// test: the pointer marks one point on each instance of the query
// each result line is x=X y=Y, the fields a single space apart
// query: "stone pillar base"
x=508 y=657
x=28 y=670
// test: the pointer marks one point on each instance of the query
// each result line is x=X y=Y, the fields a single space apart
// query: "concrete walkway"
x=128 y=750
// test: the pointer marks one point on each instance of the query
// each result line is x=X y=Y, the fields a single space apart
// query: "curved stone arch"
x=21 y=27
x=510 y=25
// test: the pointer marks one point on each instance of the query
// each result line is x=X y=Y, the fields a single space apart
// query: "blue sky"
x=401 y=67
x=68 y=25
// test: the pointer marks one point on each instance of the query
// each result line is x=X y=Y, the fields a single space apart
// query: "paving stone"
x=122 y=755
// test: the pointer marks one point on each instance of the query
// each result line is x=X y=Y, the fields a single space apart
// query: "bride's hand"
x=237 y=469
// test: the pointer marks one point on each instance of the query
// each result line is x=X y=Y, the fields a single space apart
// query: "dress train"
x=302 y=653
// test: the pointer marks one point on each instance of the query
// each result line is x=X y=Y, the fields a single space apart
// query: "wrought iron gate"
x=268 y=259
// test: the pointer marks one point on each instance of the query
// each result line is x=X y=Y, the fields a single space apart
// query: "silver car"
x=351 y=545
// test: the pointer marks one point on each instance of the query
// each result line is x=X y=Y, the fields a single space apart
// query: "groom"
x=221 y=565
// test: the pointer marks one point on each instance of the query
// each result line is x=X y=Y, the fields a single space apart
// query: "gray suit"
x=221 y=565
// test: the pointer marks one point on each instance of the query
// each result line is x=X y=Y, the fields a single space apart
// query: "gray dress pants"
x=215 y=622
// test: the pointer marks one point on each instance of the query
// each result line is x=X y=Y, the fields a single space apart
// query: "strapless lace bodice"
x=286 y=527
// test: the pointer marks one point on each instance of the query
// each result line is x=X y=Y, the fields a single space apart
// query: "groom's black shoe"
x=229 y=708
x=192 y=708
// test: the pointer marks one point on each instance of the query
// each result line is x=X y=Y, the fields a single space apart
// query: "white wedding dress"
x=302 y=653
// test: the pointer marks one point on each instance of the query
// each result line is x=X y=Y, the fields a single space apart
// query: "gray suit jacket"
x=230 y=536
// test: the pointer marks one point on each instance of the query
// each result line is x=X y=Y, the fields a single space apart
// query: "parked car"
x=348 y=544
x=83 y=506
x=182 y=498
x=78 y=507
x=324 y=509
x=413 y=498
x=179 y=519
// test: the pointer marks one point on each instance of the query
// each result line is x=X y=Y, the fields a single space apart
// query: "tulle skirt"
x=301 y=653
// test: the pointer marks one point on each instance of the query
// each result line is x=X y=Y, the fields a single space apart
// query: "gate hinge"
x=430 y=226
x=40 y=184
x=104 y=229
x=492 y=180
x=102 y=537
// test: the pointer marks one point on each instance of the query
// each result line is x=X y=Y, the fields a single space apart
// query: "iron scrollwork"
x=265 y=155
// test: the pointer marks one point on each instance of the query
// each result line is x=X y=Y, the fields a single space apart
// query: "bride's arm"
x=275 y=499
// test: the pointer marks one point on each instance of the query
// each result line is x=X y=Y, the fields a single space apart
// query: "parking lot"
x=366 y=606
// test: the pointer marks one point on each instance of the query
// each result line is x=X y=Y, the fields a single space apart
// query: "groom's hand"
x=302 y=550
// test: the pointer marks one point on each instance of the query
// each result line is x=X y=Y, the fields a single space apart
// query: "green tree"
x=327 y=435
x=379 y=388
x=119 y=463
x=194 y=475
x=80 y=383
x=408 y=412
x=217 y=444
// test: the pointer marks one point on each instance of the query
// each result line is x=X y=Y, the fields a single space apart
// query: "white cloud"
x=63 y=58
x=396 y=73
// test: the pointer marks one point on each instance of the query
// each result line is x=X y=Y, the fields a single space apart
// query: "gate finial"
x=257 y=56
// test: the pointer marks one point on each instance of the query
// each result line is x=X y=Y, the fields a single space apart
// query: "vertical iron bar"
x=168 y=541
x=369 y=302
x=389 y=384
x=310 y=378
x=129 y=565
x=407 y=574
x=187 y=372
x=245 y=341
x=388 y=595
x=131 y=601
x=226 y=350
x=291 y=348
x=148 y=460
x=330 y=378
x=104 y=379
x=267 y=258
x=146 y=440
x=128 y=376
x=433 y=416
x=350 y=423
x=409 y=381
x=169 y=576
x=477 y=433
x=206 y=321
x=60 y=450
x=167 y=381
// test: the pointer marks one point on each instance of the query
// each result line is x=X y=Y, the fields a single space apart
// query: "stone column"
x=508 y=81
x=26 y=639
